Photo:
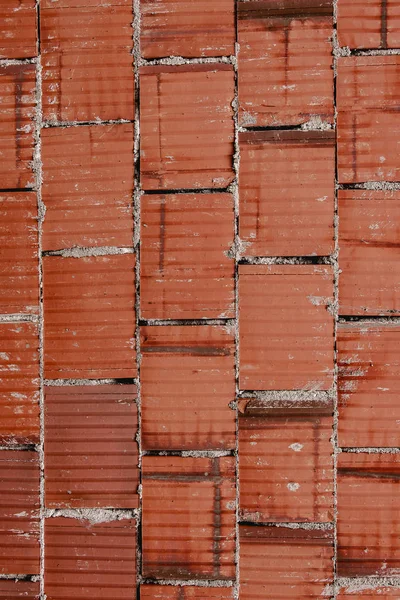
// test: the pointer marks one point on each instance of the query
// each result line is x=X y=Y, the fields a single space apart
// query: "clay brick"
x=87 y=60
x=357 y=591
x=368 y=120
x=368 y=540
x=91 y=457
x=369 y=281
x=372 y=24
x=194 y=29
x=13 y=590
x=17 y=111
x=285 y=62
x=19 y=512
x=85 y=560
x=187 y=382
x=286 y=465
x=369 y=385
x=186 y=272
x=19 y=261
x=187 y=126
x=87 y=186
x=19 y=394
x=188 y=517
x=290 y=345
x=285 y=563
x=18 y=29
x=89 y=307
x=287 y=192
x=164 y=592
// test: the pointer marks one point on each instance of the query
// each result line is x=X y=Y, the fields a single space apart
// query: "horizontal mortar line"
x=63 y=124
x=283 y=394
x=226 y=190
x=10 y=62
x=369 y=450
x=20 y=577
x=190 y=453
x=19 y=318
x=373 y=319
x=192 y=582
x=17 y=190
x=369 y=582
x=187 y=322
x=103 y=515
x=89 y=382
x=371 y=185
x=176 y=61
x=21 y=447
x=256 y=128
x=286 y=260
x=370 y=51
x=290 y=525
x=83 y=251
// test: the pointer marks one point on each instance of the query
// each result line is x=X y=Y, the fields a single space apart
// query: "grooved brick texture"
x=199 y=299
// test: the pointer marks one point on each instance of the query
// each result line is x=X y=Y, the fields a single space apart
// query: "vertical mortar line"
x=136 y=243
x=335 y=47
x=236 y=164
x=37 y=167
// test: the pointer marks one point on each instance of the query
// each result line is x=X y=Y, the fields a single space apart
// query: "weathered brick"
x=11 y=589
x=368 y=526
x=369 y=280
x=372 y=24
x=187 y=592
x=286 y=464
x=19 y=512
x=88 y=186
x=287 y=192
x=187 y=382
x=91 y=450
x=188 y=517
x=290 y=344
x=186 y=271
x=285 y=62
x=186 y=118
x=368 y=119
x=179 y=28
x=18 y=29
x=89 y=308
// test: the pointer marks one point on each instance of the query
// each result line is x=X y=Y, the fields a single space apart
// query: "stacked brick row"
x=199 y=296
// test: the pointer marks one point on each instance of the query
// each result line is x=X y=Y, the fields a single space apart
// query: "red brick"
x=287 y=192
x=368 y=529
x=13 y=590
x=188 y=517
x=187 y=592
x=369 y=281
x=286 y=465
x=91 y=455
x=86 y=561
x=19 y=394
x=187 y=382
x=369 y=385
x=87 y=186
x=372 y=24
x=19 y=512
x=357 y=591
x=368 y=120
x=18 y=29
x=19 y=261
x=87 y=61
x=285 y=563
x=89 y=307
x=187 y=126
x=17 y=111
x=186 y=272
x=285 y=62
x=178 y=28
x=290 y=345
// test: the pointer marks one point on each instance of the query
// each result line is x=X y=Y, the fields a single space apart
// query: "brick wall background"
x=199 y=299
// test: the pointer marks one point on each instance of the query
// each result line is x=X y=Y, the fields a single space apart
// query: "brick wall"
x=199 y=299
